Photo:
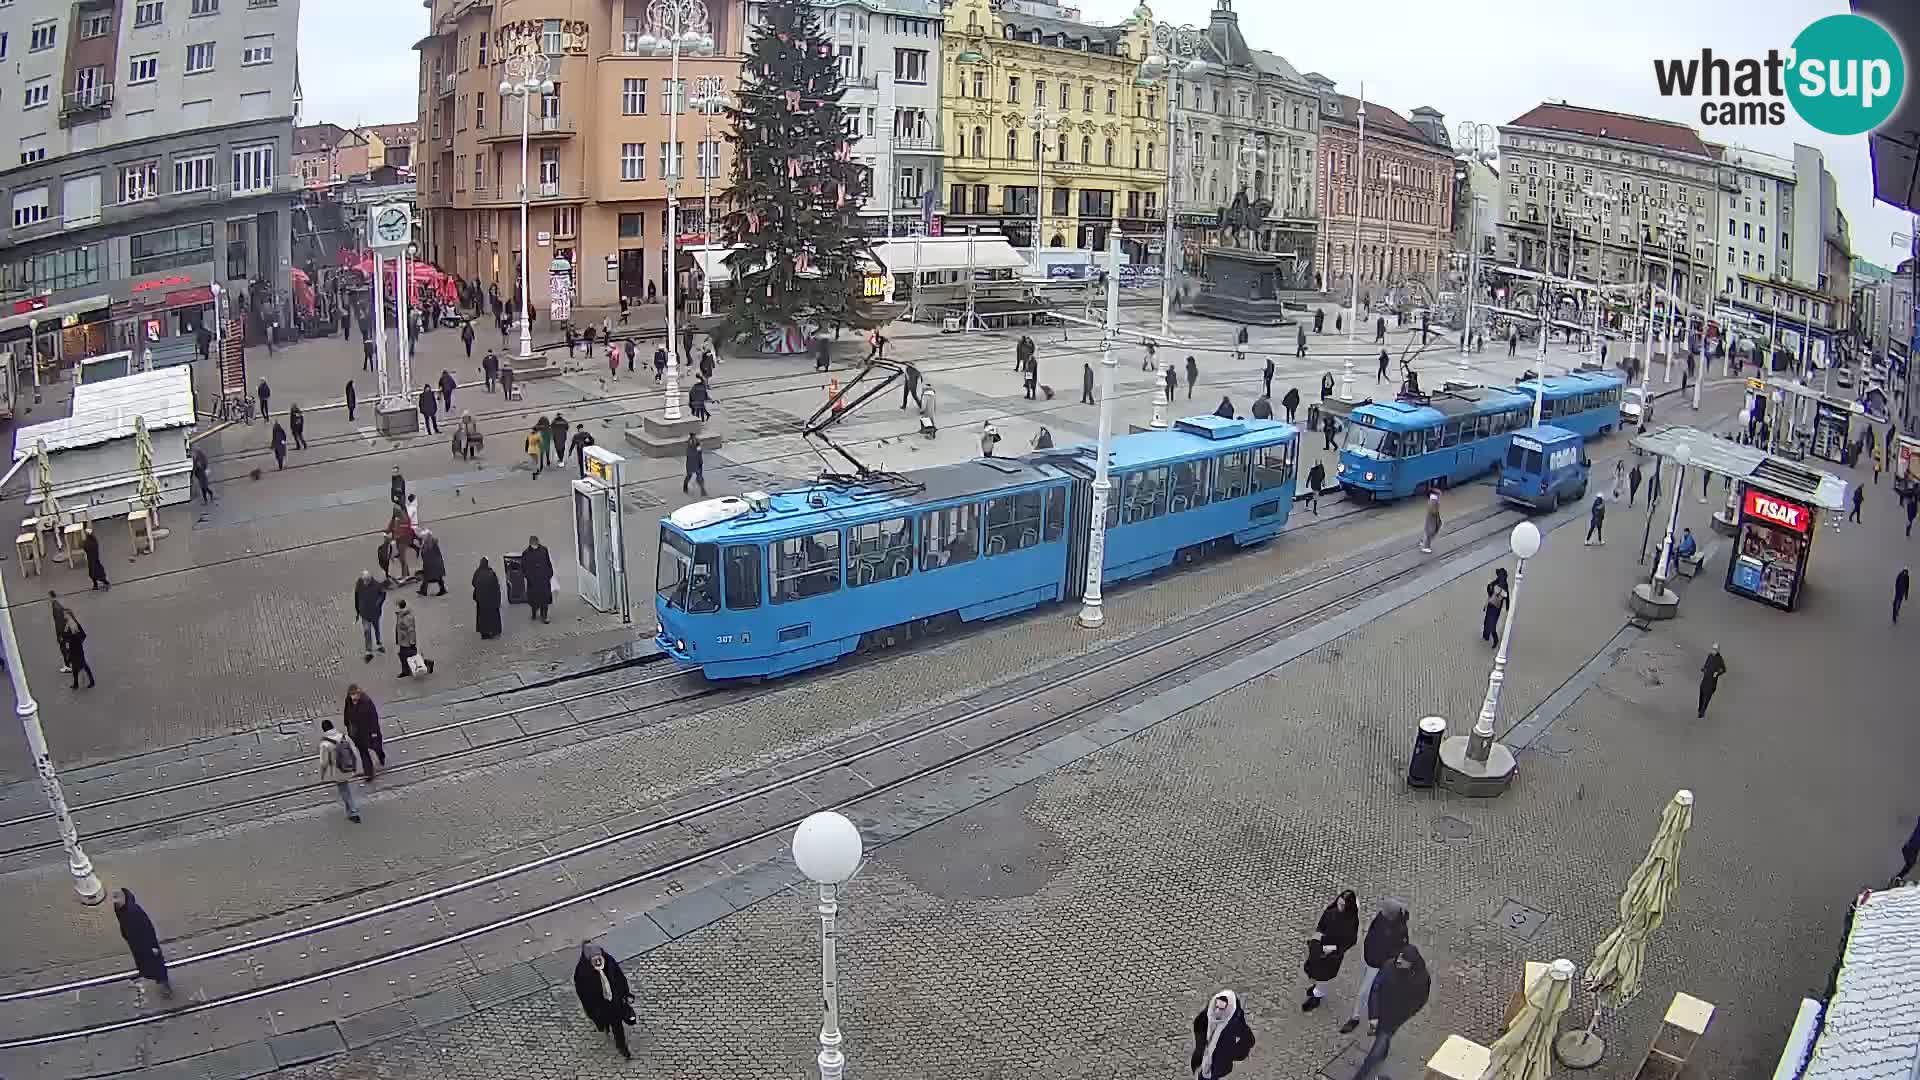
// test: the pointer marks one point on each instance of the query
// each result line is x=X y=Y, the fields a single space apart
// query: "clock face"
x=391 y=226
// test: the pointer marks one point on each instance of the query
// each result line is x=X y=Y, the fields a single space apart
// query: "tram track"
x=1187 y=638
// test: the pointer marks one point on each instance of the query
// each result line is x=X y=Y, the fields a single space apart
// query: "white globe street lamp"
x=708 y=104
x=674 y=25
x=526 y=75
x=1476 y=764
x=1176 y=52
x=827 y=849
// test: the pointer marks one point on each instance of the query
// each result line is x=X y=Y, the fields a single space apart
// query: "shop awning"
x=55 y=312
x=712 y=262
x=190 y=297
x=928 y=254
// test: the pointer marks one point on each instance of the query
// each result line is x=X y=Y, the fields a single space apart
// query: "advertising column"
x=1771 y=548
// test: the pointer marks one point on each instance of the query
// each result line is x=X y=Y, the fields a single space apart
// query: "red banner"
x=1775 y=510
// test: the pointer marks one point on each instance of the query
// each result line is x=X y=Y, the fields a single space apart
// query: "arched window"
x=1149 y=155
x=1063 y=148
x=1086 y=99
x=1086 y=149
x=1013 y=144
x=979 y=142
x=1136 y=155
x=1109 y=159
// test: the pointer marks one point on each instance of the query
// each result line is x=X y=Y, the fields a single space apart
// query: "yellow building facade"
x=1049 y=117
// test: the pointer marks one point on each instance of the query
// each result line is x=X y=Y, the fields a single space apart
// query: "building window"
x=253 y=168
x=199 y=57
x=479 y=172
x=709 y=162
x=36 y=93
x=96 y=26
x=563 y=221
x=980 y=142
x=551 y=41
x=239 y=241
x=44 y=34
x=1113 y=102
x=1763 y=234
x=146 y=13
x=630 y=226
x=257 y=49
x=910 y=66
x=633 y=160
x=1086 y=149
x=141 y=181
x=633 y=97
x=1086 y=99
x=30 y=207
x=1013 y=145
x=193 y=173
x=204 y=7
x=1066 y=96
x=1013 y=89
x=550 y=169
x=1109 y=158
x=165 y=249
x=1760 y=263
x=143 y=69
x=480 y=111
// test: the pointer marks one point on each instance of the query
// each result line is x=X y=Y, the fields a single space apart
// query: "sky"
x=1480 y=61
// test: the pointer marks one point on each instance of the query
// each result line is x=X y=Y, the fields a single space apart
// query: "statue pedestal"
x=1246 y=287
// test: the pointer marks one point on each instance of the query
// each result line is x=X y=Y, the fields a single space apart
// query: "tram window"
x=1144 y=495
x=950 y=536
x=1230 y=470
x=1056 y=520
x=1013 y=522
x=805 y=566
x=879 y=551
x=1273 y=467
x=1424 y=441
x=1189 y=485
x=684 y=576
x=1482 y=426
x=1384 y=443
x=1450 y=435
x=743 y=577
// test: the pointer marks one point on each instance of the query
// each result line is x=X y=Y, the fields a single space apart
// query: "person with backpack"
x=337 y=764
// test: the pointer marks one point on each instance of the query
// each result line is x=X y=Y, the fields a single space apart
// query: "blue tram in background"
x=1394 y=449
x=768 y=585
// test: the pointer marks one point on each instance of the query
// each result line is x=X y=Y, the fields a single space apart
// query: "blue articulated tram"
x=772 y=584
x=1394 y=449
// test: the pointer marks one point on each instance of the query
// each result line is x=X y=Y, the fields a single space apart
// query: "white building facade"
x=890 y=54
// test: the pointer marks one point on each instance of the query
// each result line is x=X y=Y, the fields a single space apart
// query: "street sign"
x=390 y=228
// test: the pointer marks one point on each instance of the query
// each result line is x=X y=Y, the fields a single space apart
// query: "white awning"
x=712 y=262
x=927 y=254
x=105 y=411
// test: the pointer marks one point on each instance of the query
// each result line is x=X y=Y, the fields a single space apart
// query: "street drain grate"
x=1520 y=920
x=1451 y=828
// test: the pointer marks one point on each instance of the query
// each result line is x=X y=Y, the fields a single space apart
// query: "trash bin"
x=516 y=579
x=1424 y=769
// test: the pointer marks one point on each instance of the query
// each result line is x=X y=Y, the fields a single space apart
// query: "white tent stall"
x=92 y=451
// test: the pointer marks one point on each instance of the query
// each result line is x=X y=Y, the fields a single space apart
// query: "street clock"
x=390 y=228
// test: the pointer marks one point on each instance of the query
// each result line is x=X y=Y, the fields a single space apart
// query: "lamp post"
x=1176 y=50
x=526 y=75
x=827 y=849
x=1092 y=615
x=1476 y=764
x=1674 y=227
x=1682 y=454
x=1479 y=143
x=709 y=102
x=1043 y=122
x=673 y=25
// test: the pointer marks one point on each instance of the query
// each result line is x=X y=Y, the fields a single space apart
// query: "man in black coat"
x=604 y=994
x=1386 y=934
x=136 y=929
x=696 y=466
x=1710 y=673
x=1379 y=329
x=1266 y=379
x=361 y=717
x=1291 y=402
x=368 y=600
x=536 y=564
x=97 y=570
x=910 y=387
x=397 y=489
x=1403 y=989
x=429 y=410
x=1086 y=384
x=433 y=564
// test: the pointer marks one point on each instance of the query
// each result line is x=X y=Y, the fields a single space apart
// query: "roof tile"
x=1872 y=1024
x=1626 y=127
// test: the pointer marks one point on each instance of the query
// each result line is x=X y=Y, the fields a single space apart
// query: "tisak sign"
x=1778 y=511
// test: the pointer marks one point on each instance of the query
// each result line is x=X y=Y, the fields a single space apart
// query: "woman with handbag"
x=604 y=994
x=1338 y=930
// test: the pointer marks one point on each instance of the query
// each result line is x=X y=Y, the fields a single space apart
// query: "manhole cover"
x=1520 y=920
x=1451 y=828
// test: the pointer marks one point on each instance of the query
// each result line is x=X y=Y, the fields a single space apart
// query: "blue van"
x=1545 y=466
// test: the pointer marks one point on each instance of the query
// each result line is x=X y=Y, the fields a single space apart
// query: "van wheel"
x=1555 y=504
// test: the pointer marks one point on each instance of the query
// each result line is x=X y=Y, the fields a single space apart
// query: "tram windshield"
x=684 y=575
x=1384 y=443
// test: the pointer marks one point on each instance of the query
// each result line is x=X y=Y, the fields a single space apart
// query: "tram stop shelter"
x=1772 y=512
x=1818 y=423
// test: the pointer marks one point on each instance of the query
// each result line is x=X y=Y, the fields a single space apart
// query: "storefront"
x=1771 y=548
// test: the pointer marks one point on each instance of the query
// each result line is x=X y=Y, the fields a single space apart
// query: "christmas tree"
x=796 y=189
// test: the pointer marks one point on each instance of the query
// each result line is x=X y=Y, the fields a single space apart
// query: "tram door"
x=1079 y=531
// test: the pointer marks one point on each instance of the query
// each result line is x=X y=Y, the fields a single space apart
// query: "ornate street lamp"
x=526 y=75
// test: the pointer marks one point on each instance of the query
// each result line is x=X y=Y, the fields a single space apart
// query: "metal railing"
x=913 y=144
x=446 y=84
x=86 y=98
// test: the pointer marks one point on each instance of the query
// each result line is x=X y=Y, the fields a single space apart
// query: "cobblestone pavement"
x=1072 y=928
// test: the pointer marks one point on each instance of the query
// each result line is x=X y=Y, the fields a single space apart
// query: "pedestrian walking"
x=73 y=641
x=659 y=364
x=1193 y=375
x=279 y=441
x=604 y=994
x=1405 y=984
x=631 y=351
x=1433 y=521
x=1326 y=430
x=1030 y=379
x=1262 y=409
x=368 y=598
x=698 y=398
x=1336 y=932
x=1900 y=583
x=1382 y=372
x=1149 y=360
x=338 y=762
x=1913 y=510
x=1299 y=345
x=96 y=570
x=1316 y=476
x=469 y=437
x=623 y=309
x=1291 y=402
x=1633 y=483
x=536 y=564
x=264 y=393
x=136 y=929
x=1319 y=320
x=587 y=337
x=1266 y=380
x=1339 y=322
x=1172 y=381
x=448 y=384
x=1513 y=340
x=1386 y=935
x=1221 y=1037
x=928 y=427
x=1910 y=853
x=200 y=478
x=466 y=342
x=1086 y=384
x=821 y=361
x=696 y=466
x=910 y=386
x=1379 y=329
x=582 y=438
x=1225 y=409
x=1619 y=479
x=1499 y=592
x=1710 y=673
x=989 y=438
x=572 y=339
x=490 y=369
x=506 y=384
x=1596 y=522
x=361 y=717
x=537 y=448
x=353 y=401
x=486 y=601
x=60 y=616
x=433 y=564
x=1878 y=460
x=297 y=425
x=1859 y=498
x=406 y=638
x=557 y=438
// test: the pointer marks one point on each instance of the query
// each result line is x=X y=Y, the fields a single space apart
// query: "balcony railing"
x=862 y=82
x=917 y=144
x=77 y=104
x=538 y=127
x=446 y=84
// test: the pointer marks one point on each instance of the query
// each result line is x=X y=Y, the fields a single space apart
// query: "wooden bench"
x=1689 y=565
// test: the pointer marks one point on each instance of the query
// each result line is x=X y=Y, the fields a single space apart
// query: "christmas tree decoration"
x=799 y=253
